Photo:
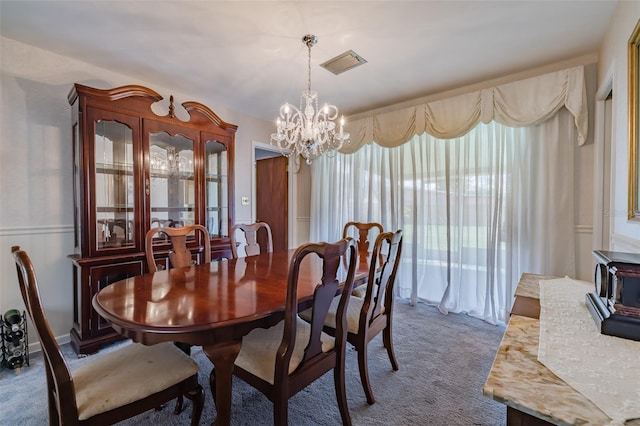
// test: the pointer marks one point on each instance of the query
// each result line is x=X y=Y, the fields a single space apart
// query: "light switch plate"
x=245 y=201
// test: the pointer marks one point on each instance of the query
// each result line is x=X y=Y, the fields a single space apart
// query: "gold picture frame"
x=634 y=141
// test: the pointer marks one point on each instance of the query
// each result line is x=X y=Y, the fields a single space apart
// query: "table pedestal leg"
x=223 y=355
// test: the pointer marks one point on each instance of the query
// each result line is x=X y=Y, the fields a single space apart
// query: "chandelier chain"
x=309 y=66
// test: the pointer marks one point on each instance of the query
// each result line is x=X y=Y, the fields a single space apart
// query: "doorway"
x=271 y=185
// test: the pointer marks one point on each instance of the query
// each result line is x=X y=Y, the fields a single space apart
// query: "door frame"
x=602 y=143
x=291 y=208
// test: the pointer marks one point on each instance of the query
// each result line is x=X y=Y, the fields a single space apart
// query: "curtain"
x=476 y=211
x=516 y=104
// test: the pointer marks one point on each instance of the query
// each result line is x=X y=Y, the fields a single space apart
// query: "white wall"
x=625 y=234
x=36 y=197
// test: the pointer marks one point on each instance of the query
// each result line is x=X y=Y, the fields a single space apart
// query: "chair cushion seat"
x=127 y=375
x=353 y=313
x=359 y=291
x=259 y=347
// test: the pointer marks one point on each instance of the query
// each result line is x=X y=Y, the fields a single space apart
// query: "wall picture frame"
x=634 y=119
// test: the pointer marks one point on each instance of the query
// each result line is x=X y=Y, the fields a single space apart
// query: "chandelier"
x=309 y=132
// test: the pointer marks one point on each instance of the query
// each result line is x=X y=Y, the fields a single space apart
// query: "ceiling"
x=248 y=55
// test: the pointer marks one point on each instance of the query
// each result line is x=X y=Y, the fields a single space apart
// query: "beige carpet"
x=444 y=362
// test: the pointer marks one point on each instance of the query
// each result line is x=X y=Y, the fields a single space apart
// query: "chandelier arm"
x=290 y=127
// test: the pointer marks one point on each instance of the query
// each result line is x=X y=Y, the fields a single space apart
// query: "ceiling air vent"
x=344 y=62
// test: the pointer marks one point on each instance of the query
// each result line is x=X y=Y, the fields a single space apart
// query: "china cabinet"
x=133 y=170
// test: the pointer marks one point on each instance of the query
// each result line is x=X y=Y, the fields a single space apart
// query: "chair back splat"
x=284 y=359
x=364 y=233
x=252 y=247
x=379 y=297
x=137 y=379
x=180 y=255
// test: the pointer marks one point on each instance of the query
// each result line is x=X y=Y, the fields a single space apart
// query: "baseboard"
x=34 y=347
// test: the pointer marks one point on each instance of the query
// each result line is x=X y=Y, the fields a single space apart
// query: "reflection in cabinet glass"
x=172 y=180
x=216 y=186
x=114 y=184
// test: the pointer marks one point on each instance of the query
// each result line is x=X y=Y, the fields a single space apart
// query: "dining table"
x=212 y=305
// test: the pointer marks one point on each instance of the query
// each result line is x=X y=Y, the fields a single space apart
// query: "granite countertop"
x=529 y=286
x=518 y=380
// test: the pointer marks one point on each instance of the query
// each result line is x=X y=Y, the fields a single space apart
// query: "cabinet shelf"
x=171 y=209
x=114 y=168
x=115 y=209
x=168 y=174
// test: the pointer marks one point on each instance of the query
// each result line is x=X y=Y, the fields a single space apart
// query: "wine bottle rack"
x=15 y=342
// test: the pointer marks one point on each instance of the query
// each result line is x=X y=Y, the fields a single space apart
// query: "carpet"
x=444 y=362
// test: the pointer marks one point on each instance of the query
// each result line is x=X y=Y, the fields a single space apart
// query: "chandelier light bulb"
x=308 y=131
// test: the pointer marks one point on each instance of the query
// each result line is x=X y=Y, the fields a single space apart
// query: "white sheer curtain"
x=476 y=211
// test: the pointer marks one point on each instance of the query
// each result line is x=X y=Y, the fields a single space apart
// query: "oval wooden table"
x=212 y=305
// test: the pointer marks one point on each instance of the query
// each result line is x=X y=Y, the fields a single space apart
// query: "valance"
x=521 y=103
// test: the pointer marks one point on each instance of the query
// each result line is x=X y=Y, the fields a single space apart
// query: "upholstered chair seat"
x=128 y=375
x=359 y=291
x=353 y=313
x=259 y=348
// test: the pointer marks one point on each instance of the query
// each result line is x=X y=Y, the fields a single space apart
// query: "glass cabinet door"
x=172 y=186
x=216 y=190
x=114 y=184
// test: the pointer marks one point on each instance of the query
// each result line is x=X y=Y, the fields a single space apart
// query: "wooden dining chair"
x=372 y=314
x=115 y=386
x=252 y=247
x=180 y=255
x=282 y=360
